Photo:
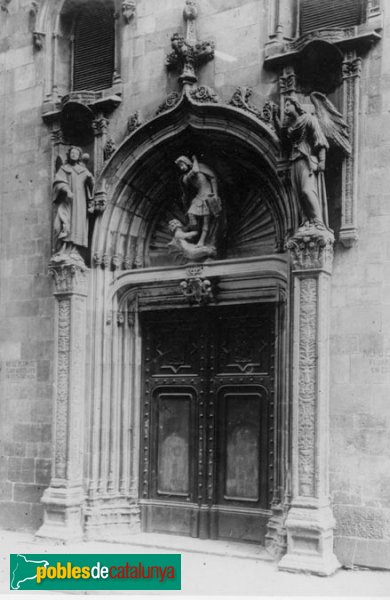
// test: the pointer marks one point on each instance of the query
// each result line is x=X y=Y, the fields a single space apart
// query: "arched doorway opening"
x=197 y=446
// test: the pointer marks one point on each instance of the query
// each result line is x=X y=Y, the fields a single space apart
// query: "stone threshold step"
x=179 y=543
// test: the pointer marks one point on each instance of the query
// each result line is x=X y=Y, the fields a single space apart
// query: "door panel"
x=208 y=414
x=174 y=446
x=241 y=453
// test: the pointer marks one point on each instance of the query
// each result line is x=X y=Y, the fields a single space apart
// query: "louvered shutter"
x=94 y=47
x=318 y=14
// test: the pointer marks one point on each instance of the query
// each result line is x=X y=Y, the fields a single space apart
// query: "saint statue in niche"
x=197 y=240
x=73 y=196
x=308 y=136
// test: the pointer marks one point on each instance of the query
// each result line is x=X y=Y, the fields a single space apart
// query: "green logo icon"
x=95 y=572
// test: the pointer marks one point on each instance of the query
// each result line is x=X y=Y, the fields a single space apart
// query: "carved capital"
x=57 y=137
x=312 y=248
x=69 y=278
x=288 y=83
x=352 y=68
x=128 y=10
x=100 y=126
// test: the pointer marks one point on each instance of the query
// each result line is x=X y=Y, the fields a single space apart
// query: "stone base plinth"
x=63 y=515
x=310 y=542
x=105 y=520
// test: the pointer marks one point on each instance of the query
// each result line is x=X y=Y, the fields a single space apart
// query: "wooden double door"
x=208 y=418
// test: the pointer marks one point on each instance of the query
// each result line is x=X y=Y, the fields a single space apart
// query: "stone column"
x=310 y=521
x=63 y=499
x=352 y=67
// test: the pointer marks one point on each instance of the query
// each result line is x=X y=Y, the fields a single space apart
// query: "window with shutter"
x=94 y=47
x=319 y=14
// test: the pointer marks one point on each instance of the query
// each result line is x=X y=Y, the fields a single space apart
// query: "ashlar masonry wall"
x=26 y=303
x=360 y=339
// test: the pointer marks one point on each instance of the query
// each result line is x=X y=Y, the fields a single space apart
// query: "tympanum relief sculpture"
x=197 y=239
x=73 y=200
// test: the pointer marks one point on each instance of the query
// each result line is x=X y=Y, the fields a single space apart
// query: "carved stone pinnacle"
x=189 y=54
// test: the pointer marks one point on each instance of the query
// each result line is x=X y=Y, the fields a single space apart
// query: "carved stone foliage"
x=204 y=94
x=307 y=386
x=100 y=126
x=188 y=53
x=288 y=83
x=170 y=102
x=128 y=10
x=240 y=99
x=69 y=278
x=311 y=248
x=109 y=148
x=133 y=122
x=63 y=362
x=197 y=290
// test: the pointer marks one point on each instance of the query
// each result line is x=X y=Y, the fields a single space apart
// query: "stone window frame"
x=47 y=23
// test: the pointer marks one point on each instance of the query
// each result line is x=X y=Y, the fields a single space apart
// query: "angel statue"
x=198 y=239
x=309 y=136
x=73 y=195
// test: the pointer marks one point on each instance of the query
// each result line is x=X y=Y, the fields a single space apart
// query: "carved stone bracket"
x=128 y=10
x=352 y=67
x=64 y=498
x=310 y=521
x=197 y=290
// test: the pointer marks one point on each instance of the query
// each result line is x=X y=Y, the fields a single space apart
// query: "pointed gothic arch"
x=140 y=179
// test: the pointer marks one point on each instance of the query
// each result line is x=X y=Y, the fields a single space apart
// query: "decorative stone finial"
x=189 y=54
